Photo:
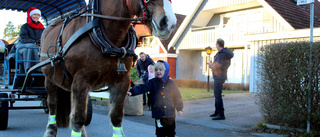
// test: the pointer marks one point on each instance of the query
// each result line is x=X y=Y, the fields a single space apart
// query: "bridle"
x=143 y=5
x=145 y=16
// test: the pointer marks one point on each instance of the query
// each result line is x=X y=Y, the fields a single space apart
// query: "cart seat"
x=17 y=74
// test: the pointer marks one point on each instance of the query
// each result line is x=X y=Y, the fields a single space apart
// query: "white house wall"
x=202 y=19
x=151 y=48
x=214 y=4
x=188 y=63
x=236 y=71
x=191 y=64
x=241 y=23
x=215 y=20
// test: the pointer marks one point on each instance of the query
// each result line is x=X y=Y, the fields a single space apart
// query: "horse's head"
x=161 y=20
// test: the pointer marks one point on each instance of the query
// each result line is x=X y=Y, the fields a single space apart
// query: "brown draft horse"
x=90 y=69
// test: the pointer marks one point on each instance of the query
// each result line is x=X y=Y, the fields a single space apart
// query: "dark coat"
x=165 y=97
x=29 y=35
x=142 y=66
x=223 y=57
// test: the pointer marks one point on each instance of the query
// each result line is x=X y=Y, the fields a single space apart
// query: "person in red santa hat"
x=30 y=34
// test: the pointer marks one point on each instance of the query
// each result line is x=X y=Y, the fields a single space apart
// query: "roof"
x=166 y=42
x=5 y=42
x=12 y=40
x=50 y=9
x=297 y=16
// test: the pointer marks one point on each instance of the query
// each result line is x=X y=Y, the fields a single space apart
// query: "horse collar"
x=101 y=41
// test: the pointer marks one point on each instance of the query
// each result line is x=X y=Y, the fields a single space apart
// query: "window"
x=146 y=41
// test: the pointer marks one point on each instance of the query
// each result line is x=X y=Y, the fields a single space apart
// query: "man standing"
x=142 y=68
x=219 y=68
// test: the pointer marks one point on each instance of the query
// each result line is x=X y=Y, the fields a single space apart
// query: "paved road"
x=32 y=123
x=194 y=123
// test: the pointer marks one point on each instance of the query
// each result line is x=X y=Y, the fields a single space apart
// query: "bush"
x=133 y=74
x=283 y=84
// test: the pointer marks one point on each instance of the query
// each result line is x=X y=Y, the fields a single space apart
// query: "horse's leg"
x=79 y=97
x=51 y=89
x=118 y=92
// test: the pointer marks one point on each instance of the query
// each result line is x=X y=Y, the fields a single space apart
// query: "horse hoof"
x=49 y=135
x=51 y=131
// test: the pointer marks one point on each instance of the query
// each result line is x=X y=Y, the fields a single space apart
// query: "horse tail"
x=63 y=108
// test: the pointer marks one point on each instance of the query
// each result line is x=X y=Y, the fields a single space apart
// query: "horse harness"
x=98 y=37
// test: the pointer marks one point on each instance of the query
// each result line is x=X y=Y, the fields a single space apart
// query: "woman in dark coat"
x=165 y=99
x=30 y=34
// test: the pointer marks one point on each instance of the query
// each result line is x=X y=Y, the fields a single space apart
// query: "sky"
x=179 y=6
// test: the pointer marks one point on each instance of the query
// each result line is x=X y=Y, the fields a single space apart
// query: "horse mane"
x=50 y=27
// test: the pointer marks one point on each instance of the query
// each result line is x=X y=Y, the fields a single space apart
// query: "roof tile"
x=297 y=16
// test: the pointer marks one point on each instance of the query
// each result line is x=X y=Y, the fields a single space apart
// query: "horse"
x=84 y=66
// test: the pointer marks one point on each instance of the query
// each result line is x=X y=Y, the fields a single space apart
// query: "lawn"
x=196 y=93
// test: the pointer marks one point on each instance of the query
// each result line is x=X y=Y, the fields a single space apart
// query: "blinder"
x=143 y=5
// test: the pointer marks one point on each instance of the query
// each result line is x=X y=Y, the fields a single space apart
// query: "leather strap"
x=78 y=33
x=39 y=65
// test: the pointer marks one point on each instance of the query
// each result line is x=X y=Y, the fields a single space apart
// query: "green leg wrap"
x=75 y=134
x=117 y=132
x=52 y=119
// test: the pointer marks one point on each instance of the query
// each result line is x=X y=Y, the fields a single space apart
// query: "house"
x=12 y=40
x=245 y=25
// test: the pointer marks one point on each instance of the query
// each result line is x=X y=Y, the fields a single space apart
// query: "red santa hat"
x=33 y=10
x=30 y=12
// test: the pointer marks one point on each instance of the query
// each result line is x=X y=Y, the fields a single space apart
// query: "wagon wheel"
x=89 y=112
x=4 y=112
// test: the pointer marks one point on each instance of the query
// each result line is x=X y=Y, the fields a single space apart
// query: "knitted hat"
x=35 y=11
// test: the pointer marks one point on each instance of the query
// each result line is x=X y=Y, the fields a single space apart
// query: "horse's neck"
x=115 y=30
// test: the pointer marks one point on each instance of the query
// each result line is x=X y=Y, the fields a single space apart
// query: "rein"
x=115 y=18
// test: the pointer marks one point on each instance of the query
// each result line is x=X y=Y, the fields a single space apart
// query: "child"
x=150 y=75
x=165 y=98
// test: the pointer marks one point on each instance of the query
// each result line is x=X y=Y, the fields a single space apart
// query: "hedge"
x=283 y=84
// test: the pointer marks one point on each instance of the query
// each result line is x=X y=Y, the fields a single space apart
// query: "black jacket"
x=223 y=57
x=29 y=35
x=165 y=97
x=142 y=66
